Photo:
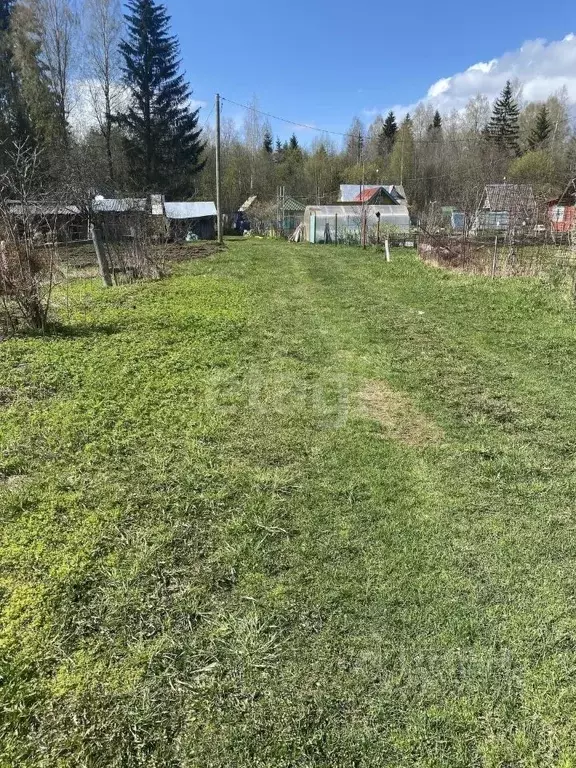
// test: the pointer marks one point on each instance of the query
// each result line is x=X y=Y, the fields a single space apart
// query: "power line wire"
x=209 y=116
x=326 y=130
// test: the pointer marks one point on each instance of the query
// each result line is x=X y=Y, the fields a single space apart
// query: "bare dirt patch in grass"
x=397 y=415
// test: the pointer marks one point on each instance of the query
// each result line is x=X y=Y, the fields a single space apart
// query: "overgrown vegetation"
x=291 y=506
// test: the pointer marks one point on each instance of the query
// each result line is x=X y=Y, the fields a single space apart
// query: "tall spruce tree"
x=541 y=130
x=161 y=133
x=268 y=143
x=503 y=128
x=388 y=135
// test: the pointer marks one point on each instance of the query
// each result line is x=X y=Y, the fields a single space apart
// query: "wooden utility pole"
x=218 y=208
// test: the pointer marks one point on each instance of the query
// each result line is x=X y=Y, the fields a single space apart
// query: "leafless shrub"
x=28 y=235
x=501 y=255
x=136 y=245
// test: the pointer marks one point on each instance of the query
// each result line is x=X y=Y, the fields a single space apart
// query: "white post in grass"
x=495 y=257
x=387 y=248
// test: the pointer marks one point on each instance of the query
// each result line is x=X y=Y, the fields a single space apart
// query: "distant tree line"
x=440 y=159
x=102 y=96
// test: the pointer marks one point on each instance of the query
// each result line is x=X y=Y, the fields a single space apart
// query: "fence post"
x=495 y=257
x=387 y=247
x=101 y=256
x=335 y=229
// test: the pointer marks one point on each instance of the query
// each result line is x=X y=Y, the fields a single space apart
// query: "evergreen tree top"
x=161 y=131
x=437 y=120
x=506 y=102
x=503 y=127
x=541 y=130
x=390 y=125
x=268 y=143
x=151 y=53
x=294 y=142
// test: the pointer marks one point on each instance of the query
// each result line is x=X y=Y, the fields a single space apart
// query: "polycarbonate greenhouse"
x=344 y=223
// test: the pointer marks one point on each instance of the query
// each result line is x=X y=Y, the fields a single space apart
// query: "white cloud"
x=542 y=67
x=440 y=87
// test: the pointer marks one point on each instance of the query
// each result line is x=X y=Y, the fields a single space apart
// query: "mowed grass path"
x=291 y=507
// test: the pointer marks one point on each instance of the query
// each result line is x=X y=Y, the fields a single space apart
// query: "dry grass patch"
x=397 y=415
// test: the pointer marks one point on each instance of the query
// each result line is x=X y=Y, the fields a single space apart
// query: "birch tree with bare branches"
x=59 y=28
x=102 y=35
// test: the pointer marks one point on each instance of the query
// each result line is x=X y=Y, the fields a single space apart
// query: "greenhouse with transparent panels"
x=346 y=223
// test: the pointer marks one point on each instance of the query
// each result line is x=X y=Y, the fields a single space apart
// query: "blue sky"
x=321 y=62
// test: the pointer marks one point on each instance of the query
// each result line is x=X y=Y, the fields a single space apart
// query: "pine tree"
x=503 y=128
x=294 y=142
x=541 y=129
x=388 y=135
x=390 y=126
x=435 y=127
x=161 y=133
x=268 y=144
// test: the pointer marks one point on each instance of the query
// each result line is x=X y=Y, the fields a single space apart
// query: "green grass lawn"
x=291 y=507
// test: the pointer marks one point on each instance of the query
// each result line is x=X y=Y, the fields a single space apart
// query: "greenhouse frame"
x=344 y=222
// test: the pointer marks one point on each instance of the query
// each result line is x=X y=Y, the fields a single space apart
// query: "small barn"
x=505 y=207
x=344 y=222
x=49 y=221
x=562 y=210
x=122 y=217
x=185 y=219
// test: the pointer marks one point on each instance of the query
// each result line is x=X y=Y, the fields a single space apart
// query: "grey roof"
x=517 y=198
x=123 y=205
x=396 y=190
x=290 y=204
x=18 y=208
x=189 y=210
x=247 y=204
